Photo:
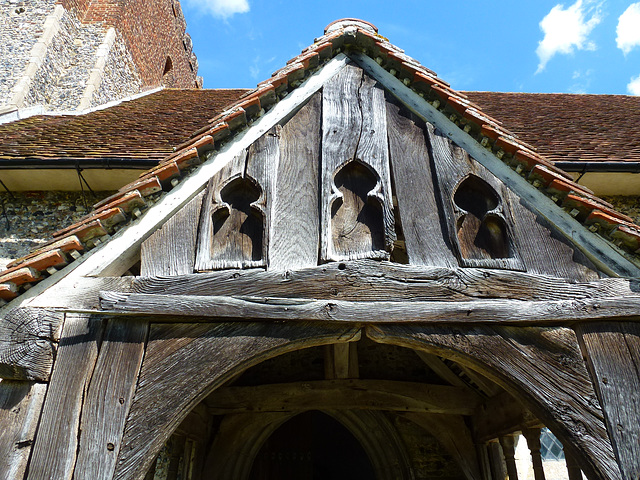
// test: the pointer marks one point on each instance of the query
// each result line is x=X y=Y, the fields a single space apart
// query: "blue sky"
x=586 y=46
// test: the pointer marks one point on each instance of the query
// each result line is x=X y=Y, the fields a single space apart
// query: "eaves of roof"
x=144 y=129
x=113 y=213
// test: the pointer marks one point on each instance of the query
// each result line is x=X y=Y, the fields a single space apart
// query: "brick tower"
x=70 y=55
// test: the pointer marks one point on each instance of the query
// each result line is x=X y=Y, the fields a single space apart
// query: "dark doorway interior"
x=312 y=446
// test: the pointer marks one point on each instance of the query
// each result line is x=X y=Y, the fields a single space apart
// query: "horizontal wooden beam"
x=343 y=394
x=511 y=312
x=374 y=280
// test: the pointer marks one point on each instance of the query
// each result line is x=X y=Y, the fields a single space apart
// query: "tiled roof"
x=114 y=212
x=570 y=128
x=564 y=127
x=145 y=128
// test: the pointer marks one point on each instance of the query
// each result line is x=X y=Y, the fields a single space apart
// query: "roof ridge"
x=130 y=201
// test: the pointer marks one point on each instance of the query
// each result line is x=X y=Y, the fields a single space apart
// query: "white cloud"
x=634 y=86
x=567 y=29
x=628 y=29
x=221 y=8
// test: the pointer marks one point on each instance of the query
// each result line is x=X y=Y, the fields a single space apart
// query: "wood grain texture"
x=174 y=308
x=109 y=398
x=343 y=394
x=20 y=408
x=420 y=214
x=295 y=230
x=171 y=250
x=457 y=174
x=541 y=366
x=82 y=294
x=185 y=362
x=216 y=244
x=367 y=280
x=27 y=343
x=454 y=435
x=598 y=250
x=357 y=214
x=54 y=452
x=613 y=355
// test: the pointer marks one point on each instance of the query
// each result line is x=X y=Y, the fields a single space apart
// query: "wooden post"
x=533 y=442
x=497 y=462
x=572 y=466
x=508 y=444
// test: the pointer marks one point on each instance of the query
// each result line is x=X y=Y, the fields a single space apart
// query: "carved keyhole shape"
x=357 y=225
x=482 y=234
x=237 y=225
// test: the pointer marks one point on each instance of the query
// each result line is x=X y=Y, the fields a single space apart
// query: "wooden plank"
x=184 y=363
x=115 y=257
x=370 y=280
x=173 y=308
x=459 y=175
x=541 y=366
x=343 y=394
x=613 y=355
x=219 y=249
x=454 y=435
x=82 y=294
x=295 y=230
x=262 y=165
x=20 y=407
x=418 y=208
x=357 y=215
x=54 y=452
x=27 y=344
x=598 y=250
x=109 y=398
x=543 y=250
x=499 y=416
x=171 y=250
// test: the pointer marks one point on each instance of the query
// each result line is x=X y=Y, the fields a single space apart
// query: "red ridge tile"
x=586 y=205
x=8 y=291
x=66 y=244
x=189 y=158
x=628 y=235
x=20 y=276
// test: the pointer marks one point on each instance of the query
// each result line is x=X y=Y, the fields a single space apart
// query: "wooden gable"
x=347 y=238
x=354 y=175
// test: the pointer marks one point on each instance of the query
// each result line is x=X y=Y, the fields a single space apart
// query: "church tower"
x=71 y=55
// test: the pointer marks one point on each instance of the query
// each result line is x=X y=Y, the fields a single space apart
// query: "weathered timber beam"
x=343 y=394
x=374 y=280
x=27 y=343
x=603 y=254
x=512 y=312
x=499 y=416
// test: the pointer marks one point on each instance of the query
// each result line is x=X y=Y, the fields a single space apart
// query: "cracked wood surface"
x=541 y=366
x=27 y=343
x=612 y=351
x=371 y=280
x=54 y=452
x=355 y=224
x=20 y=406
x=172 y=308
